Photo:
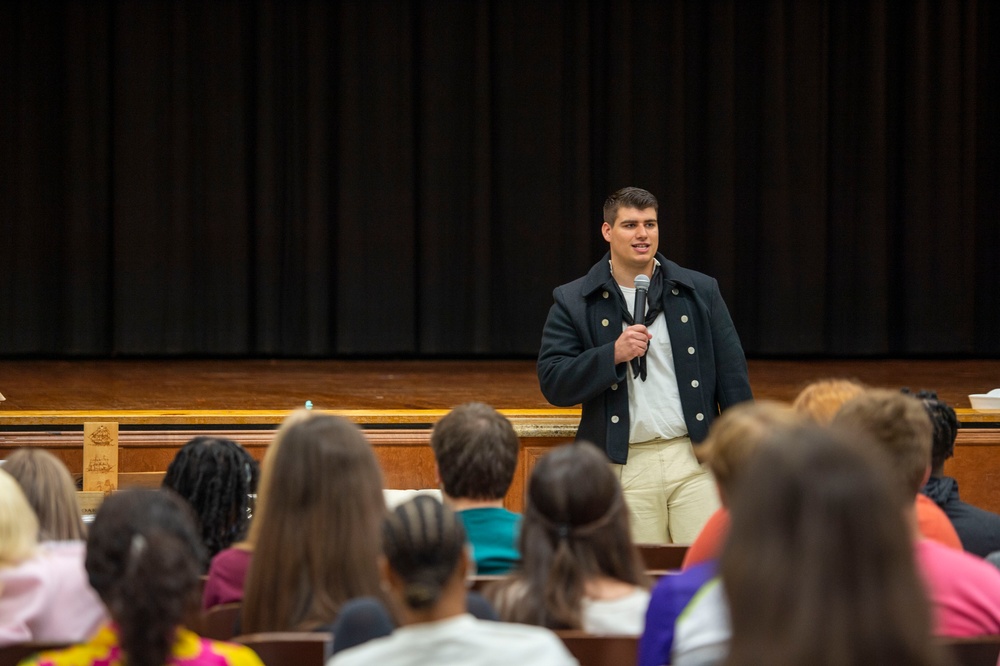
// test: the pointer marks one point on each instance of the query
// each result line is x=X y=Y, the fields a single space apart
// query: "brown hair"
x=319 y=534
x=737 y=434
x=576 y=528
x=628 y=197
x=51 y=492
x=821 y=399
x=819 y=567
x=264 y=482
x=476 y=451
x=143 y=558
x=899 y=425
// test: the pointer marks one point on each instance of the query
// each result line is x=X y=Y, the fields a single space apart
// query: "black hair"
x=628 y=197
x=144 y=559
x=216 y=476
x=424 y=541
x=945 y=423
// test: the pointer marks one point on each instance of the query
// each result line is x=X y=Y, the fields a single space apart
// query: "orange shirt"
x=934 y=524
x=708 y=544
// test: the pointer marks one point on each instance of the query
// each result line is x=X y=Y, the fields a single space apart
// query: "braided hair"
x=216 y=477
x=945 y=423
x=144 y=560
x=423 y=542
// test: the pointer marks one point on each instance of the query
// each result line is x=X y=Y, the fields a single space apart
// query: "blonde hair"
x=822 y=399
x=51 y=492
x=18 y=524
x=739 y=432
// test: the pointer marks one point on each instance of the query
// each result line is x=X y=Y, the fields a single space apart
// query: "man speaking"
x=650 y=382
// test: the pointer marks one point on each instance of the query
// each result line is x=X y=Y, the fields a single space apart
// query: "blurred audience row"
x=840 y=541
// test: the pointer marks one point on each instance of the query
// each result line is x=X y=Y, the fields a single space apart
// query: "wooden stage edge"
x=159 y=405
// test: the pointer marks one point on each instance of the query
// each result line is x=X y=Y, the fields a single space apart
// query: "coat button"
x=605 y=294
x=604 y=322
x=700 y=416
x=684 y=319
x=614 y=419
x=675 y=291
x=614 y=387
x=694 y=383
x=690 y=350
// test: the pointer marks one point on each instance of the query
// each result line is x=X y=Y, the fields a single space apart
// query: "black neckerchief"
x=654 y=301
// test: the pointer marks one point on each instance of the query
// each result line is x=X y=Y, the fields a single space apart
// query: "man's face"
x=634 y=238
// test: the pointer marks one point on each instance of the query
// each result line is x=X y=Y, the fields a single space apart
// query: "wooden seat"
x=290 y=648
x=10 y=655
x=976 y=651
x=593 y=650
x=662 y=556
x=220 y=622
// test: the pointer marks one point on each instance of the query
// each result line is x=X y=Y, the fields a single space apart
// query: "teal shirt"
x=493 y=535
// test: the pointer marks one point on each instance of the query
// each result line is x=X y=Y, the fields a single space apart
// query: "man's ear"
x=606 y=231
x=927 y=475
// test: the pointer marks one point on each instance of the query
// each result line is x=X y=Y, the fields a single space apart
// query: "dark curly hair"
x=945 y=426
x=216 y=476
x=144 y=559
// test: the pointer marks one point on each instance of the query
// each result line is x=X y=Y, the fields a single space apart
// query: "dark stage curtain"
x=381 y=177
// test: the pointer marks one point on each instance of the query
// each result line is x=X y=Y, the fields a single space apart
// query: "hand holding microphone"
x=634 y=340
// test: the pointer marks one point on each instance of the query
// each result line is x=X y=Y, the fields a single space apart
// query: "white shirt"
x=625 y=616
x=702 y=632
x=460 y=641
x=654 y=405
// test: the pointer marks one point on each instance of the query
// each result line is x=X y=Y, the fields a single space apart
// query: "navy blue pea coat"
x=576 y=358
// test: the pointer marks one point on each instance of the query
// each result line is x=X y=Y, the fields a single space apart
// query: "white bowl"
x=986 y=401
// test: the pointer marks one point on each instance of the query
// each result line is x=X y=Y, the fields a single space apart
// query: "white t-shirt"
x=625 y=616
x=460 y=641
x=654 y=405
x=702 y=632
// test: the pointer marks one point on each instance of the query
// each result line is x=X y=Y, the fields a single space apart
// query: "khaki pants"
x=669 y=494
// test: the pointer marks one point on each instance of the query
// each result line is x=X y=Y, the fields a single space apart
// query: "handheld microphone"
x=641 y=288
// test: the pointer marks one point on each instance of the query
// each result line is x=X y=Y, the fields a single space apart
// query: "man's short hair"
x=899 y=425
x=476 y=450
x=628 y=197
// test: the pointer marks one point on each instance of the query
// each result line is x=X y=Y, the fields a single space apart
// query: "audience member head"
x=216 y=476
x=51 y=492
x=628 y=197
x=18 y=524
x=575 y=529
x=821 y=399
x=425 y=561
x=945 y=423
x=319 y=536
x=298 y=416
x=476 y=451
x=737 y=434
x=144 y=559
x=819 y=567
x=898 y=424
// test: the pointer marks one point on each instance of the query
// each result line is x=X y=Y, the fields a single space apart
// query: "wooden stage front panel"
x=162 y=404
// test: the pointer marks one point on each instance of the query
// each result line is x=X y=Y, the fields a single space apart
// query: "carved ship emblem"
x=101 y=436
x=100 y=464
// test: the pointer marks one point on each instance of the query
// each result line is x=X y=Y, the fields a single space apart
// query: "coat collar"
x=599 y=276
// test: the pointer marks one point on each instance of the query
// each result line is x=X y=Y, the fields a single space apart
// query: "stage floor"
x=282 y=385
